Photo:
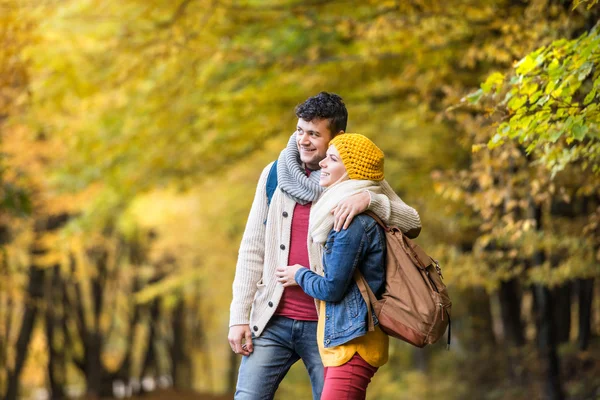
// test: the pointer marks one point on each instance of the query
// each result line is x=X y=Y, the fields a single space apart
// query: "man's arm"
x=249 y=268
x=387 y=205
x=393 y=211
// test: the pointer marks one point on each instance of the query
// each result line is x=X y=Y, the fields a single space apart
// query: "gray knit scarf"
x=291 y=175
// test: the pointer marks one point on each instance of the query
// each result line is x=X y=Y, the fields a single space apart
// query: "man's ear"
x=339 y=133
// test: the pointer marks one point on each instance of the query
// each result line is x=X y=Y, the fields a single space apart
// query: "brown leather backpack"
x=415 y=305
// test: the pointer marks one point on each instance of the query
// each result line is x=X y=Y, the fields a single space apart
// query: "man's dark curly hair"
x=327 y=106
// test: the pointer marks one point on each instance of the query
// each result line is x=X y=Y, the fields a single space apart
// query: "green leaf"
x=525 y=65
x=517 y=102
x=543 y=100
x=530 y=88
x=496 y=140
x=584 y=71
x=477 y=147
x=569 y=123
x=534 y=98
x=508 y=96
x=591 y=108
x=555 y=135
x=579 y=131
x=590 y=97
x=551 y=85
x=474 y=97
x=494 y=80
x=530 y=147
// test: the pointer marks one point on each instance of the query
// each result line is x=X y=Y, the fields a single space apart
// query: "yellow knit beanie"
x=361 y=157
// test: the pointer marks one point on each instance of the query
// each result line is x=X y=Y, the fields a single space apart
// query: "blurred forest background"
x=133 y=133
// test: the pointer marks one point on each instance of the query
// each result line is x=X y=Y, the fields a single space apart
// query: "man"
x=271 y=327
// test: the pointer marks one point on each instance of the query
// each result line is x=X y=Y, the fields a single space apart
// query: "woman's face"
x=332 y=167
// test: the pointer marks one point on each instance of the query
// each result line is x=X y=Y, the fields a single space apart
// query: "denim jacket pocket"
x=351 y=301
x=328 y=246
x=345 y=314
x=339 y=322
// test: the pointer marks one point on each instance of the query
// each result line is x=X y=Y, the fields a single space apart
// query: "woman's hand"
x=286 y=275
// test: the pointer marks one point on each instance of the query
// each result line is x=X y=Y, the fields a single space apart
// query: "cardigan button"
x=270 y=304
x=282 y=247
x=255 y=328
x=285 y=214
x=327 y=341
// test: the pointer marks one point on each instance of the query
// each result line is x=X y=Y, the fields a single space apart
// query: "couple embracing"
x=294 y=294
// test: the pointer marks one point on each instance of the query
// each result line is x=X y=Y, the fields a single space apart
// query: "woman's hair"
x=327 y=106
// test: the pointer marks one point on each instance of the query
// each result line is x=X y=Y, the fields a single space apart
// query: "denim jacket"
x=360 y=246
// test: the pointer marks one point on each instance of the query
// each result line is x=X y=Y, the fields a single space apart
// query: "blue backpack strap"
x=271 y=182
x=271 y=185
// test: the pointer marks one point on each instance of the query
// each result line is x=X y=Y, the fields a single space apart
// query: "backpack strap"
x=271 y=185
x=271 y=182
x=415 y=252
x=449 y=330
x=365 y=290
x=378 y=220
x=367 y=294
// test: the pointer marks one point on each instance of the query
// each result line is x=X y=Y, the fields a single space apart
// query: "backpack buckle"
x=438 y=269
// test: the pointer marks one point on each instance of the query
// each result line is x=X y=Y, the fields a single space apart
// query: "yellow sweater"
x=372 y=347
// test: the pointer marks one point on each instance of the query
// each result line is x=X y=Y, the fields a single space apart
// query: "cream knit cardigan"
x=256 y=292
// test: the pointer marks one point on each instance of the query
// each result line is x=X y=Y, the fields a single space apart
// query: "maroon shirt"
x=294 y=303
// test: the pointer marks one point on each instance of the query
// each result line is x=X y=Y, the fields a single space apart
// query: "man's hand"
x=349 y=208
x=236 y=334
x=287 y=275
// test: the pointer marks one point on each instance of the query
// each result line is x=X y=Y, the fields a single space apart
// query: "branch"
x=178 y=14
x=282 y=7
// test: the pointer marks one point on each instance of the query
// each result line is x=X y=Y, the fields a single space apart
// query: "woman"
x=350 y=352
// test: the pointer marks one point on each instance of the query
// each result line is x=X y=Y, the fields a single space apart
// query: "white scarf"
x=321 y=218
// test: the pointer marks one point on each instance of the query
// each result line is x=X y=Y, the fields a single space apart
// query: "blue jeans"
x=283 y=342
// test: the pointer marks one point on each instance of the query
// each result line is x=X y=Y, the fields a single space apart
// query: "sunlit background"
x=133 y=133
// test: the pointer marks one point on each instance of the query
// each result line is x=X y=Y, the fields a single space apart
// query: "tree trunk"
x=585 y=292
x=56 y=348
x=562 y=312
x=180 y=361
x=547 y=344
x=35 y=293
x=93 y=365
x=124 y=371
x=510 y=308
x=480 y=317
x=150 y=364
x=6 y=310
x=545 y=322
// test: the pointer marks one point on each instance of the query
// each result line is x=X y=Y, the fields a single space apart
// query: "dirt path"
x=181 y=395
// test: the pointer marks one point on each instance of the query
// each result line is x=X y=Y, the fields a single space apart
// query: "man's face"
x=312 y=138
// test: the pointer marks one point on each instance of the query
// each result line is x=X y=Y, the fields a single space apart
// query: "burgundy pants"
x=348 y=381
